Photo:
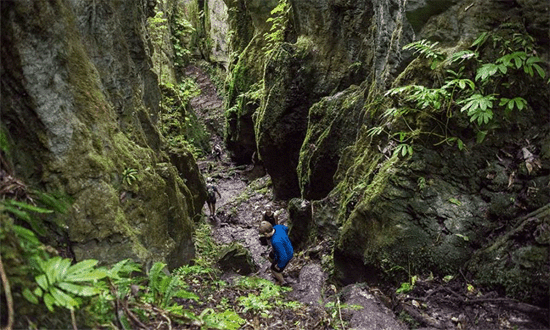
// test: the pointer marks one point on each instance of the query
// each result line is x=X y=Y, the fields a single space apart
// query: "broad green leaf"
x=49 y=301
x=481 y=39
x=42 y=281
x=540 y=71
x=93 y=275
x=518 y=62
x=30 y=296
x=53 y=269
x=480 y=136
x=503 y=101
x=65 y=264
x=79 y=290
x=84 y=265
x=520 y=103
x=460 y=144
x=38 y=292
x=486 y=70
x=63 y=299
x=529 y=70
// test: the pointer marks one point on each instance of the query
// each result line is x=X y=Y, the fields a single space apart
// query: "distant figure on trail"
x=217 y=152
x=269 y=216
x=282 y=251
x=211 y=196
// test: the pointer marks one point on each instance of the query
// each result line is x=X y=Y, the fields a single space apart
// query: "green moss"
x=363 y=193
x=332 y=126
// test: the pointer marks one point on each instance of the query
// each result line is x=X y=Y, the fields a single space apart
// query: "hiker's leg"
x=210 y=208
x=278 y=276
x=277 y=273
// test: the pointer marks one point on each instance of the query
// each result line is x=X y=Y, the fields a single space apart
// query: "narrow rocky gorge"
x=406 y=143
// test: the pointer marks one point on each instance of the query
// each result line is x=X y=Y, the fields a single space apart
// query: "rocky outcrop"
x=330 y=49
x=434 y=209
x=333 y=124
x=79 y=103
x=235 y=257
x=426 y=212
x=248 y=21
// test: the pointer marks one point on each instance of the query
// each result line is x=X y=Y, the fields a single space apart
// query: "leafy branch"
x=470 y=87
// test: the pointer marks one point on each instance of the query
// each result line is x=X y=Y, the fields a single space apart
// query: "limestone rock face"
x=333 y=124
x=79 y=103
x=338 y=44
x=301 y=224
x=219 y=28
x=433 y=210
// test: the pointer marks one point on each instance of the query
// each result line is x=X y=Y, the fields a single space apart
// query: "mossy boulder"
x=237 y=258
x=333 y=124
x=242 y=101
x=406 y=216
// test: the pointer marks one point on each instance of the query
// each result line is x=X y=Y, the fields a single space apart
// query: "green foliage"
x=407 y=286
x=266 y=295
x=163 y=287
x=479 y=107
x=428 y=50
x=129 y=175
x=205 y=246
x=485 y=89
x=209 y=319
x=24 y=211
x=157 y=27
x=56 y=281
x=60 y=283
x=279 y=21
x=334 y=309
x=177 y=124
x=182 y=30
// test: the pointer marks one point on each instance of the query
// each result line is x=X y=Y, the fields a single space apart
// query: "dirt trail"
x=243 y=196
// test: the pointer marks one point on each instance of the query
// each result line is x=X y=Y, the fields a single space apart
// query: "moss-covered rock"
x=302 y=229
x=235 y=257
x=333 y=123
x=517 y=264
x=242 y=100
x=282 y=118
x=89 y=114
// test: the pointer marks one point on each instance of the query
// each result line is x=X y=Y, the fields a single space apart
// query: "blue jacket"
x=282 y=248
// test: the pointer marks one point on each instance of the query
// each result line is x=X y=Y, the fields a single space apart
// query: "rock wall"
x=79 y=104
x=322 y=90
x=433 y=210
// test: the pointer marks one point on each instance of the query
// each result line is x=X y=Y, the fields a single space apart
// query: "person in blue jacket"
x=282 y=248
